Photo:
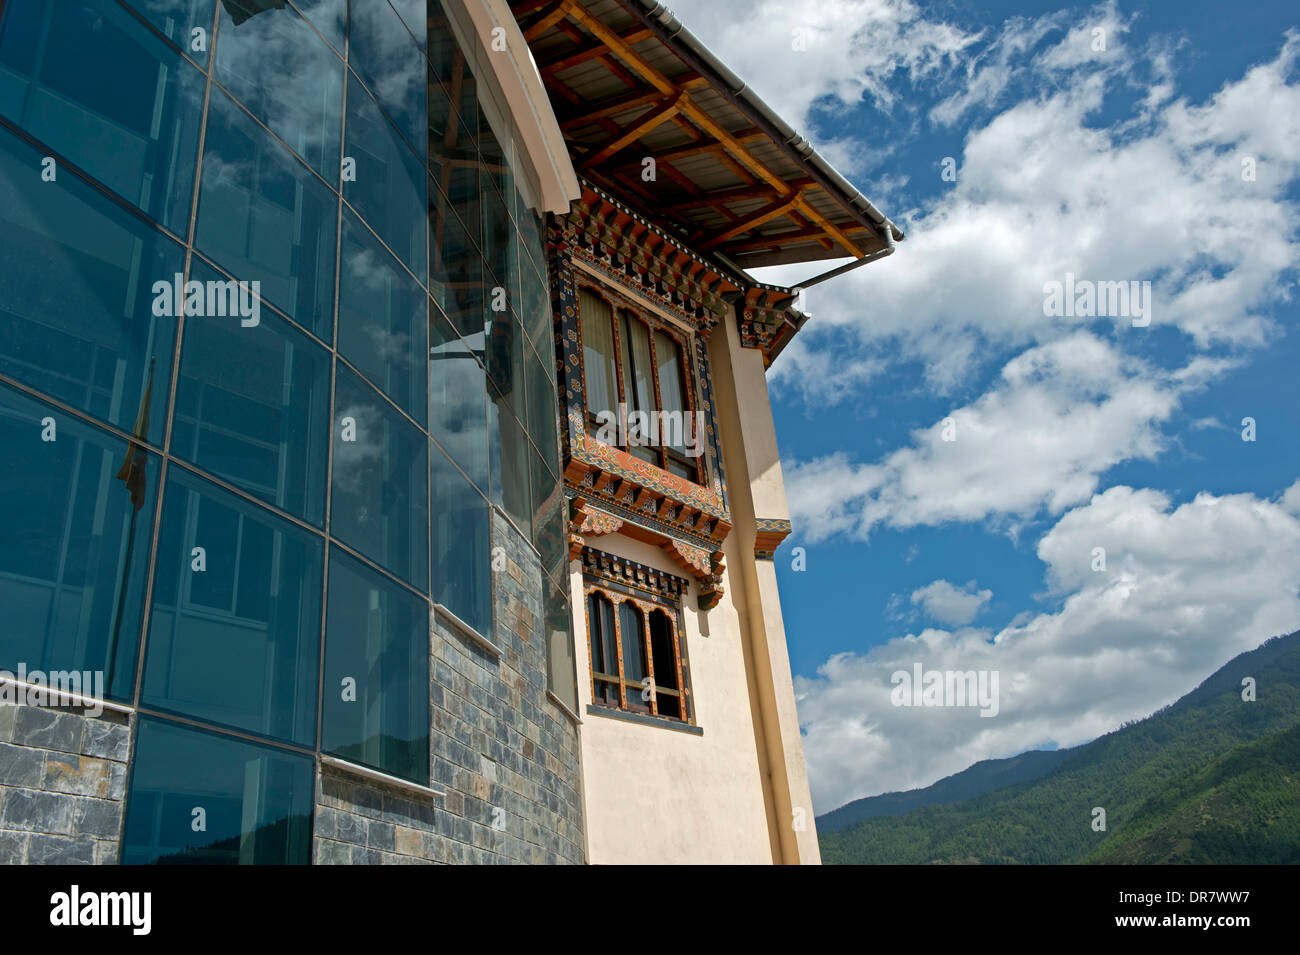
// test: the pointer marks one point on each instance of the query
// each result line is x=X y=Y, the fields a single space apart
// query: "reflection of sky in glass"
x=277 y=66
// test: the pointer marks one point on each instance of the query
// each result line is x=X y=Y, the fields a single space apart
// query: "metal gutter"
x=659 y=18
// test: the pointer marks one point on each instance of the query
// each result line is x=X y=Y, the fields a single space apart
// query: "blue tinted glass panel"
x=510 y=461
x=545 y=495
x=76 y=308
x=461 y=541
x=458 y=399
x=543 y=410
x=234 y=634
x=329 y=17
x=177 y=19
x=550 y=529
x=455 y=267
x=561 y=668
x=257 y=801
x=376 y=704
x=497 y=239
x=505 y=361
x=74 y=549
x=264 y=217
x=389 y=189
x=384 y=54
x=535 y=306
x=383 y=318
x=415 y=14
x=137 y=134
x=379 y=503
x=278 y=66
x=252 y=407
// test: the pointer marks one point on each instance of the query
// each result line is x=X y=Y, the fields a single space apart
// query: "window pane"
x=278 y=66
x=455 y=266
x=327 y=16
x=383 y=319
x=177 y=18
x=383 y=53
x=74 y=553
x=245 y=652
x=381 y=472
x=110 y=95
x=604 y=650
x=252 y=407
x=461 y=538
x=511 y=461
x=543 y=410
x=263 y=216
x=561 y=675
x=505 y=362
x=76 y=300
x=546 y=495
x=376 y=706
x=458 y=400
x=638 y=385
x=551 y=528
x=257 y=801
x=665 y=660
x=598 y=353
x=536 y=309
x=389 y=189
x=414 y=13
x=497 y=233
x=670 y=383
x=633 y=649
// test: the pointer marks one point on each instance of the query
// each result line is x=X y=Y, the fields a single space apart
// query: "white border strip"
x=333 y=762
x=466 y=630
x=542 y=145
x=76 y=700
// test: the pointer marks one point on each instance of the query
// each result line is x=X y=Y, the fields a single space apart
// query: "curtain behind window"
x=598 y=353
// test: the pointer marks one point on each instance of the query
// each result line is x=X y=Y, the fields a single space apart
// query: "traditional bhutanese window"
x=598 y=356
x=636 y=654
x=632 y=359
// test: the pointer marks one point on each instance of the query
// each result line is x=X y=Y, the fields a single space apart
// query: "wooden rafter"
x=621 y=104
x=674 y=103
x=769 y=212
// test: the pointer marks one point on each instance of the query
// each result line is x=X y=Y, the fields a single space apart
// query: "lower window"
x=637 y=647
x=198 y=798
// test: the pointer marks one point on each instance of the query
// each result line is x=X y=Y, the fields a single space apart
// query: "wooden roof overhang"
x=626 y=90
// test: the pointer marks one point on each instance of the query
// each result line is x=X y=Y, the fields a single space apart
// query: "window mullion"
x=618 y=647
x=659 y=398
x=650 y=658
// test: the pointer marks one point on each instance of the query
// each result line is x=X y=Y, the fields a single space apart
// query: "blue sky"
x=1111 y=141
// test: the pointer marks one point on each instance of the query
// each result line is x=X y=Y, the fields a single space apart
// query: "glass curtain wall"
x=275 y=339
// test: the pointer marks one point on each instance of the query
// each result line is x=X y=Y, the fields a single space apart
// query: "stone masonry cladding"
x=62 y=782
x=503 y=752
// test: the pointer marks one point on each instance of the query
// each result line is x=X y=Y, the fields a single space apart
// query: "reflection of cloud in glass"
x=355 y=461
x=282 y=71
x=217 y=169
x=392 y=65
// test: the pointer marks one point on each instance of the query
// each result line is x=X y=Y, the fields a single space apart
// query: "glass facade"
x=242 y=501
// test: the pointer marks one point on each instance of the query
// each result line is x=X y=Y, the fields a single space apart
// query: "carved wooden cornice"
x=637 y=255
x=769 y=532
x=629 y=573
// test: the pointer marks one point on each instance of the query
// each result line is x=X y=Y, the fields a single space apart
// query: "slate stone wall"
x=503 y=752
x=505 y=755
x=62 y=783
